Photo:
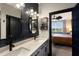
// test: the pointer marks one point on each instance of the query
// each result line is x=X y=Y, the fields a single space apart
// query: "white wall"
x=7 y=10
x=45 y=8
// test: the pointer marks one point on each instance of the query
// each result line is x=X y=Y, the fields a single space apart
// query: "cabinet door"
x=47 y=49
x=38 y=53
x=44 y=50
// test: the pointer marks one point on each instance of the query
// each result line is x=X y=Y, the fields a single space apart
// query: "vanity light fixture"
x=32 y=13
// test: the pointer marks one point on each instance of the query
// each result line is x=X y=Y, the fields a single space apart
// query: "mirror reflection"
x=34 y=26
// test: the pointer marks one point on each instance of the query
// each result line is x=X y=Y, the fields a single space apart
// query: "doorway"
x=60 y=30
x=14 y=29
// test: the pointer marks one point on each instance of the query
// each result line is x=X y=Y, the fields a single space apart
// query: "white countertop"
x=30 y=44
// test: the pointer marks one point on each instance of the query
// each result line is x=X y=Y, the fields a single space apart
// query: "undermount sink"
x=19 y=52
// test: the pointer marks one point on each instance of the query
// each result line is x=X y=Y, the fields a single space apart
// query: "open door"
x=75 y=30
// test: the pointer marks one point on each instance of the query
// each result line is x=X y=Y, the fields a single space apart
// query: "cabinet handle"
x=37 y=53
x=45 y=49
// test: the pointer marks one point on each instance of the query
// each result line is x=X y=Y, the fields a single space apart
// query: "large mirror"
x=34 y=26
x=0 y=24
x=33 y=21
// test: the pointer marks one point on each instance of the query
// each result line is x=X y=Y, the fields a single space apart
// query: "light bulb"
x=31 y=14
x=31 y=10
x=27 y=12
x=18 y=5
x=35 y=13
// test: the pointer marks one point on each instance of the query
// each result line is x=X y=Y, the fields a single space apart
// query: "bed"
x=62 y=39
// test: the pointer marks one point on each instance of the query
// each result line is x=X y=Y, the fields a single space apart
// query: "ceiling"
x=13 y=5
x=46 y=8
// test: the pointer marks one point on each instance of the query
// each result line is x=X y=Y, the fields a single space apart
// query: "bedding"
x=63 y=39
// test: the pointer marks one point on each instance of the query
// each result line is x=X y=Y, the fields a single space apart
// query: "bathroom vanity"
x=23 y=35
x=30 y=47
x=43 y=50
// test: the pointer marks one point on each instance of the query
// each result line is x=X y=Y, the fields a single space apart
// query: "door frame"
x=8 y=24
x=50 y=32
x=8 y=30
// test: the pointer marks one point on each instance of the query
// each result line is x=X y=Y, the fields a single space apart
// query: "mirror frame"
x=30 y=26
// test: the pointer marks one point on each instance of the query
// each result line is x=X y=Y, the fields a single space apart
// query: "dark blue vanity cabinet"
x=43 y=50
